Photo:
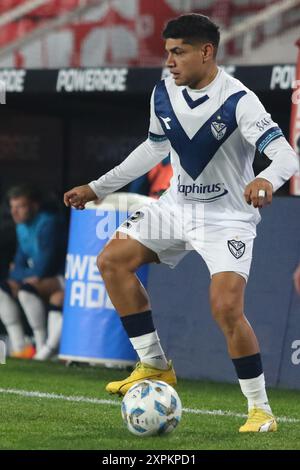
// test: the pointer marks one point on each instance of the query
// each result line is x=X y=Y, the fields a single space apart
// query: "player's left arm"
x=258 y=128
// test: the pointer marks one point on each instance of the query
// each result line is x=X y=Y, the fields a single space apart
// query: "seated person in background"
x=155 y=182
x=36 y=276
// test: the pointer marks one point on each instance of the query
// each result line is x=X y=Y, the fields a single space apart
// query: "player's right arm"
x=140 y=161
x=78 y=197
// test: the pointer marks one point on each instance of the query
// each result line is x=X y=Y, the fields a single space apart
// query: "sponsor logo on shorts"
x=136 y=217
x=236 y=248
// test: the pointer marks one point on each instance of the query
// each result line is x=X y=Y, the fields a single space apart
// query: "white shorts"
x=172 y=231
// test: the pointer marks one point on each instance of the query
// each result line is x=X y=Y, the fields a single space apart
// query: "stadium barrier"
x=123 y=80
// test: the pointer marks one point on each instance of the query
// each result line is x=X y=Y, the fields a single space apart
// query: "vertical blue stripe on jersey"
x=195 y=153
x=267 y=137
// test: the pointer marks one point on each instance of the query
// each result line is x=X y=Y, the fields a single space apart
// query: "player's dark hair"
x=193 y=28
x=25 y=190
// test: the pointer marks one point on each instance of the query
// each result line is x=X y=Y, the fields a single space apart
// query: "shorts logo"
x=236 y=248
x=218 y=129
x=136 y=216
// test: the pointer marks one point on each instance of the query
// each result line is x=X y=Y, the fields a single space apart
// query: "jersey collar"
x=194 y=98
x=193 y=103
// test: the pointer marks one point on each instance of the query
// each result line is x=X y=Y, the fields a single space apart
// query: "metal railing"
x=41 y=31
x=21 y=10
x=248 y=26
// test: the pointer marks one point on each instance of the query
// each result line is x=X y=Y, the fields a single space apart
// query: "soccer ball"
x=151 y=407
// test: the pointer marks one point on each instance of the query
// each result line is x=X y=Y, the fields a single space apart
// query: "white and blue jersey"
x=212 y=135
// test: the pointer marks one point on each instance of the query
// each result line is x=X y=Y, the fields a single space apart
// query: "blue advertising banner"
x=92 y=330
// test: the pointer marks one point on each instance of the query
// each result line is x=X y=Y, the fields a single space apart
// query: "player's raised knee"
x=115 y=257
x=106 y=261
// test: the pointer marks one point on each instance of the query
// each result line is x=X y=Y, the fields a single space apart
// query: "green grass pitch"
x=53 y=417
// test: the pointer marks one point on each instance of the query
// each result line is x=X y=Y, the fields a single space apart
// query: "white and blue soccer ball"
x=151 y=407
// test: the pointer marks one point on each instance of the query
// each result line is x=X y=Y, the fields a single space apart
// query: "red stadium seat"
x=131 y=36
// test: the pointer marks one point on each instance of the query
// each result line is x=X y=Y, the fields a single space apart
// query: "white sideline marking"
x=102 y=401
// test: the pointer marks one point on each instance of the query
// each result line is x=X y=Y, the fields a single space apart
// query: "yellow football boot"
x=259 y=421
x=141 y=372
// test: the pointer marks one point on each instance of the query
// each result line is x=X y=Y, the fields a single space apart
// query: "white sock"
x=255 y=392
x=16 y=336
x=149 y=350
x=34 y=309
x=54 y=329
x=43 y=354
x=10 y=316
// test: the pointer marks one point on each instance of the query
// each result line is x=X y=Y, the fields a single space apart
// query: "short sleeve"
x=255 y=124
x=156 y=132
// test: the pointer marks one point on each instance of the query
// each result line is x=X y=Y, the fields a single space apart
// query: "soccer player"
x=212 y=124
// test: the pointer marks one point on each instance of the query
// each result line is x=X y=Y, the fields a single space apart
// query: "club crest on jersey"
x=236 y=248
x=218 y=129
